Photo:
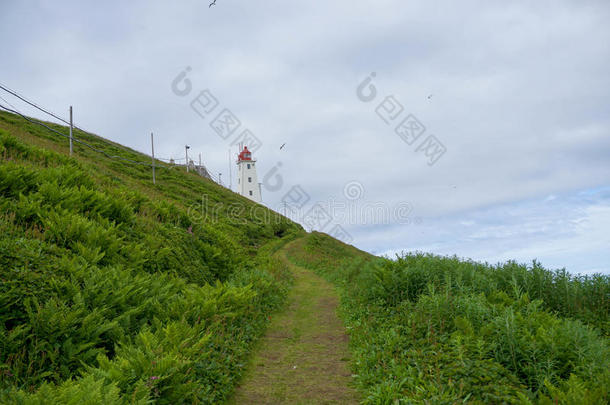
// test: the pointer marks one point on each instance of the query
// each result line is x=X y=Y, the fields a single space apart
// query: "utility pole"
x=71 y=126
x=220 y=178
x=152 y=145
x=186 y=149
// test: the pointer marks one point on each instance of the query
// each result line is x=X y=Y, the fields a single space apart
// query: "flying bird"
x=212 y=3
x=430 y=97
x=281 y=147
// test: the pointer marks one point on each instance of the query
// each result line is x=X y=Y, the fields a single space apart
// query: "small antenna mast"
x=230 y=171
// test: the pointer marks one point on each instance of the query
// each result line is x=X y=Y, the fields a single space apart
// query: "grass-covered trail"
x=303 y=358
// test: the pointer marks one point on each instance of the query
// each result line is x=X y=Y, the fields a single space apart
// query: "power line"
x=33 y=104
x=75 y=140
x=215 y=179
x=46 y=111
x=7 y=102
x=112 y=144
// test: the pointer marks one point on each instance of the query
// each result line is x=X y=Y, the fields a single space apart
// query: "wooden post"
x=152 y=145
x=71 y=126
x=186 y=149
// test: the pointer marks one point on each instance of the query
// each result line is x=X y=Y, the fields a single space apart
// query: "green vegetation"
x=427 y=329
x=115 y=291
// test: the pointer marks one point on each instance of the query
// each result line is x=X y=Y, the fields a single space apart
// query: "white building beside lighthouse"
x=247 y=180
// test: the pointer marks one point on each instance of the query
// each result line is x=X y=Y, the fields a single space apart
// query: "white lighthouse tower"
x=247 y=180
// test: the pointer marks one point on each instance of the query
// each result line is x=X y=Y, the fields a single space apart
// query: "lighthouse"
x=247 y=180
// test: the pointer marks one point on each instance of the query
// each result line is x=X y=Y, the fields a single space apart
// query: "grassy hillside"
x=427 y=329
x=114 y=290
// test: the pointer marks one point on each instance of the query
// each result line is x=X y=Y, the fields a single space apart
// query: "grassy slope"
x=428 y=329
x=114 y=290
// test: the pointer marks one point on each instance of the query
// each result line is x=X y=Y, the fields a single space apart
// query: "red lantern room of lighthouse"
x=245 y=154
x=247 y=180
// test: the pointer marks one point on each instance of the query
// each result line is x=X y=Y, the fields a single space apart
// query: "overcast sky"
x=516 y=95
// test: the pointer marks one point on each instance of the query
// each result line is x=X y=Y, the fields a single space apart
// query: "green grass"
x=428 y=329
x=115 y=290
